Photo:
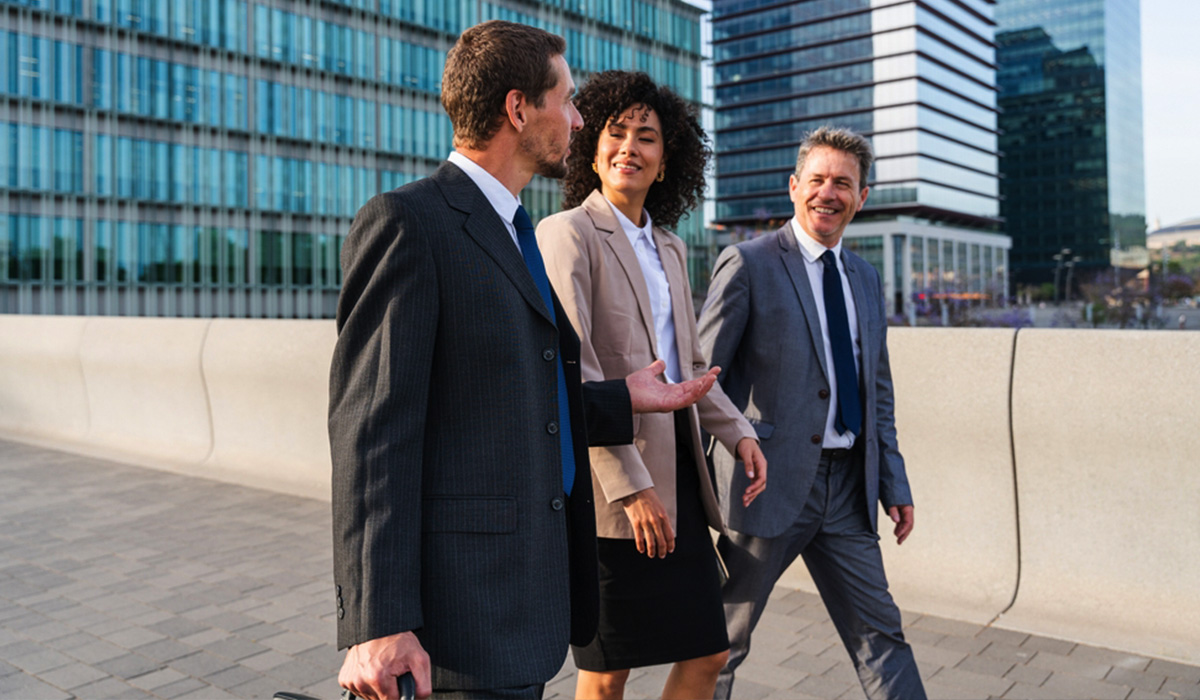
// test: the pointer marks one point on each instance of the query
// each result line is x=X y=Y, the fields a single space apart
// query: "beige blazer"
x=595 y=272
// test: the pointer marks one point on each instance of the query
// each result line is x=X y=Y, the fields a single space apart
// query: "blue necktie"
x=533 y=261
x=849 y=413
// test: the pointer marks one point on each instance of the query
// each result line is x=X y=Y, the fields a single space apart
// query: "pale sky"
x=1171 y=109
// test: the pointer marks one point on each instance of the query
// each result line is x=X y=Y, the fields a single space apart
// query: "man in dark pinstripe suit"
x=462 y=552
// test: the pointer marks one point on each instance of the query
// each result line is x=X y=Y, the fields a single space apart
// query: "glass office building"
x=916 y=78
x=206 y=157
x=1071 y=122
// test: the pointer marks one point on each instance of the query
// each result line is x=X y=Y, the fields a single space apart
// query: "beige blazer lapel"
x=673 y=261
x=605 y=220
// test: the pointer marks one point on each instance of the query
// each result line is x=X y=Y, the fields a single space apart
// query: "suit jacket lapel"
x=483 y=224
x=603 y=218
x=860 y=311
x=793 y=260
x=673 y=261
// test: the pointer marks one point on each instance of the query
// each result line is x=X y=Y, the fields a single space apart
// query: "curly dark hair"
x=685 y=145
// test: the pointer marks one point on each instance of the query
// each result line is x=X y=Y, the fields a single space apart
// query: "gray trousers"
x=834 y=536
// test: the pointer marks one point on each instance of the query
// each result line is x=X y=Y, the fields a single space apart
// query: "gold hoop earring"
x=594 y=168
x=662 y=175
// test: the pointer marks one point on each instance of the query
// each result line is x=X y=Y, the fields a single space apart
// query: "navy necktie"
x=849 y=408
x=537 y=269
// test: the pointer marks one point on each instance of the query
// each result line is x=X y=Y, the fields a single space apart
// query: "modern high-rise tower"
x=918 y=79
x=206 y=157
x=1071 y=133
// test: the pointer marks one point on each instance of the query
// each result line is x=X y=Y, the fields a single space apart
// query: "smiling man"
x=799 y=325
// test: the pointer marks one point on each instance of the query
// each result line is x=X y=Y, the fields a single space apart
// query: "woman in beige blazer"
x=636 y=166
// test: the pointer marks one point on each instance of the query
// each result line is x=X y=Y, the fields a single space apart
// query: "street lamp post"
x=1059 y=257
x=1070 y=268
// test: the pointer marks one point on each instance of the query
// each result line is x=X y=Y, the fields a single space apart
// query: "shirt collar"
x=811 y=249
x=632 y=230
x=497 y=194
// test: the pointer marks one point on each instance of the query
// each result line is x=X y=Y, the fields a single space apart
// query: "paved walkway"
x=121 y=582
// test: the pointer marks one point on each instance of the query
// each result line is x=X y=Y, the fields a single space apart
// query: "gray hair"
x=842 y=140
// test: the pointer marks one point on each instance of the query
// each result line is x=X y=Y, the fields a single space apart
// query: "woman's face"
x=629 y=152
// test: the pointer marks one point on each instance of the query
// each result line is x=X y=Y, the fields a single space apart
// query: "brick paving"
x=122 y=582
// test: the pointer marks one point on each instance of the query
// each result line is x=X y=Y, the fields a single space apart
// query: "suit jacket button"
x=548 y=354
x=557 y=504
x=824 y=393
x=816 y=439
x=341 y=613
x=552 y=427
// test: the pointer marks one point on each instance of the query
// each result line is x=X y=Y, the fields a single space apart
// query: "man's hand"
x=371 y=668
x=756 y=468
x=903 y=517
x=649 y=395
x=651 y=525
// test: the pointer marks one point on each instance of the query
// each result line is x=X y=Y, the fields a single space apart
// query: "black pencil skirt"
x=657 y=611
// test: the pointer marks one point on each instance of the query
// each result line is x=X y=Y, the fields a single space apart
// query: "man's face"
x=547 y=134
x=827 y=194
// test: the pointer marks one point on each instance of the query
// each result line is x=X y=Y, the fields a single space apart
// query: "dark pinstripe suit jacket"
x=448 y=512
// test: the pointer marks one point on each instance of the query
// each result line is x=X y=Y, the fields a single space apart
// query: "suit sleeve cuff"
x=609 y=413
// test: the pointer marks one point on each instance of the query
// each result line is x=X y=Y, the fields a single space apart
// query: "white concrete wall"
x=146 y=393
x=42 y=395
x=952 y=424
x=235 y=400
x=1105 y=425
x=1103 y=438
x=268 y=385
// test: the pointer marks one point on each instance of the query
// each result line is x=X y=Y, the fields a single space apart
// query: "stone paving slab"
x=123 y=582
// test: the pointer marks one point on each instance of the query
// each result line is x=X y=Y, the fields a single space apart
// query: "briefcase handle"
x=408 y=691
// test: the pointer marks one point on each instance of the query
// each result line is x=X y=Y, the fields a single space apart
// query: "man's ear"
x=514 y=107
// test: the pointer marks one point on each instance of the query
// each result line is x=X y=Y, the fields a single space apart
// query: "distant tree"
x=1112 y=304
x=1178 y=286
x=1043 y=292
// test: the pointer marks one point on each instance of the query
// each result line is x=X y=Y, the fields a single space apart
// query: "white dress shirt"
x=812 y=251
x=501 y=199
x=642 y=240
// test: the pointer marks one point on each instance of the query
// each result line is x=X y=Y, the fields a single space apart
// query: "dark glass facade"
x=206 y=157
x=1070 y=82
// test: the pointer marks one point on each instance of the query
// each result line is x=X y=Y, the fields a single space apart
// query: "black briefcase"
x=408 y=691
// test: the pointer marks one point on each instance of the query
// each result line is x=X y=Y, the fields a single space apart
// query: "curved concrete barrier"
x=42 y=396
x=145 y=391
x=268 y=385
x=1102 y=434
x=1107 y=453
x=952 y=423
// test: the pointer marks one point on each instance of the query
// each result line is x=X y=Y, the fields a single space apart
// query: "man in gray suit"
x=799 y=325
x=464 y=544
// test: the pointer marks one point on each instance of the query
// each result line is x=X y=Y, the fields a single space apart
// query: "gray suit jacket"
x=448 y=510
x=760 y=325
